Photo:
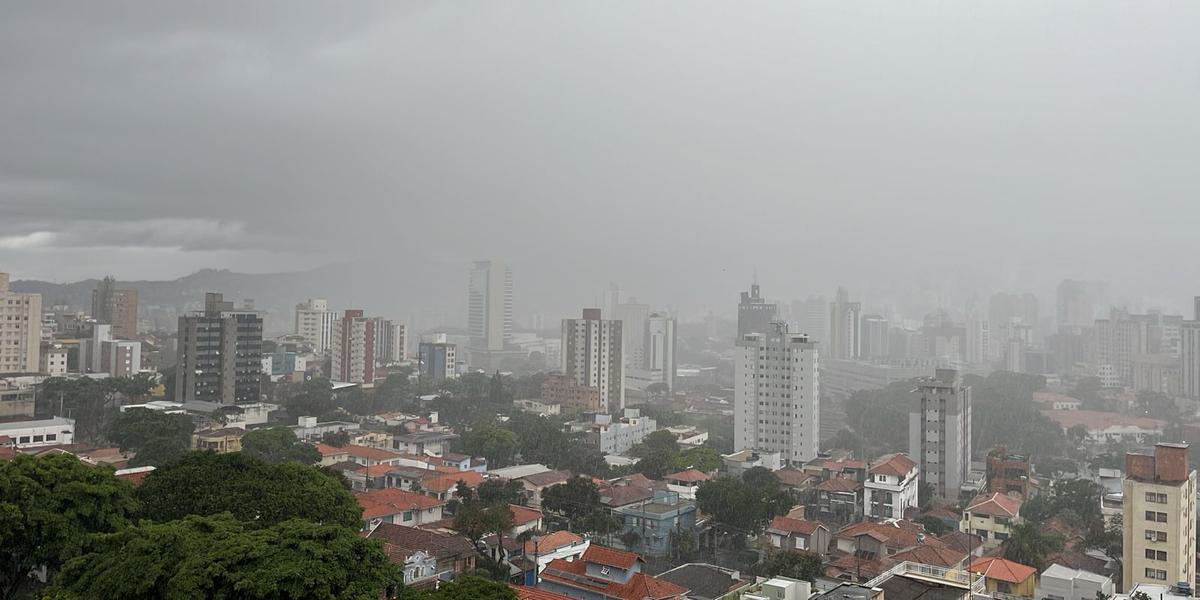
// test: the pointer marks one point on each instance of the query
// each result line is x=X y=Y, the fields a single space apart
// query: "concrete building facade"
x=116 y=307
x=352 y=351
x=593 y=356
x=939 y=431
x=1159 y=514
x=314 y=323
x=220 y=354
x=20 y=330
x=777 y=394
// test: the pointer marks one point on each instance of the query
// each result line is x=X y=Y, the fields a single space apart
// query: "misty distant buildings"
x=633 y=317
x=875 y=330
x=776 y=394
x=220 y=354
x=314 y=323
x=490 y=305
x=593 y=357
x=116 y=307
x=659 y=350
x=437 y=360
x=390 y=341
x=939 y=432
x=104 y=354
x=812 y=317
x=1077 y=303
x=844 y=327
x=755 y=314
x=20 y=330
x=1189 y=359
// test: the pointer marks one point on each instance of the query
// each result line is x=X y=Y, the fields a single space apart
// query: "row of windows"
x=1160 y=517
x=1156 y=574
x=1156 y=497
x=1156 y=536
x=1156 y=554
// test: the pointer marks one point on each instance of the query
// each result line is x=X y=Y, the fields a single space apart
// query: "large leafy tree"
x=795 y=564
x=263 y=494
x=220 y=557
x=496 y=444
x=464 y=588
x=48 y=507
x=744 y=505
x=278 y=445
x=1029 y=544
x=157 y=437
x=312 y=398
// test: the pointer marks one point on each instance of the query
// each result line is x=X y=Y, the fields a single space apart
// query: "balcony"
x=955 y=577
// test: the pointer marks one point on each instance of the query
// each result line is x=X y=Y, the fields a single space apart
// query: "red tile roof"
x=376 y=470
x=868 y=568
x=927 y=554
x=961 y=541
x=896 y=465
x=793 y=477
x=800 y=526
x=136 y=478
x=1001 y=569
x=390 y=501
x=839 y=484
x=995 y=504
x=896 y=534
x=610 y=556
x=550 y=542
x=524 y=514
x=1094 y=420
x=406 y=540
x=446 y=482
x=688 y=476
x=532 y=593
x=640 y=586
x=327 y=450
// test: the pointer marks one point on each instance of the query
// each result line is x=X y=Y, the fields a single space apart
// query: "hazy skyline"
x=898 y=149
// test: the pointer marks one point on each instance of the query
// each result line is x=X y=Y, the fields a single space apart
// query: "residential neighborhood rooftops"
x=994 y=567
x=411 y=539
x=1094 y=420
x=519 y=471
x=524 y=514
x=533 y=593
x=611 y=556
x=551 y=541
x=415 y=437
x=839 y=484
x=930 y=554
x=447 y=482
x=546 y=478
x=369 y=453
x=897 y=534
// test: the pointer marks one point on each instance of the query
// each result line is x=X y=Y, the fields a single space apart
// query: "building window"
x=1160 y=517
x=1156 y=497
x=1156 y=574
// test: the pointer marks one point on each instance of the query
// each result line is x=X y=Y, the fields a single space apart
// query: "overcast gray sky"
x=896 y=147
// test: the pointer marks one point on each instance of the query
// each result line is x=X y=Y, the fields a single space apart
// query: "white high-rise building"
x=20 y=330
x=352 y=353
x=1189 y=359
x=490 y=305
x=845 y=337
x=314 y=323
x=875 y=335
x=979 y=340
x=633 y=318
x=777 y=394
x=659 y=352
x=592 y=356
x=390 y=341
x=939 y=431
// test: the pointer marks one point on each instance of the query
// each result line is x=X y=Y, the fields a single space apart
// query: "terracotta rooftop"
x=927 y=554
x=1094 y=420
x=446 y=482
x=789 y=525
x=688 y=476
x=550 y=542
x=793 y=477
x=411 y=539
x=961 y=541
x=389 y=501
x=532 y=593
x=610 y=556
x=639 y=587
x=546 y=478
x=1000 y=569
x=995 y=504
x=327 y=450
x=897 y=534
x=839 y=484
x=896 y=465
x=524 y=514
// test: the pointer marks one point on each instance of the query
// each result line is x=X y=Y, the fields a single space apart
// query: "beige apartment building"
x=20 y=330
x=1159 y=493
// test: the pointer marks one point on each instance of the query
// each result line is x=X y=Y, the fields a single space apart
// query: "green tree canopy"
x=48 y=507
x=744 y=505
x=796 y=564
x=259 y=493
x=1029 y=544
x=220 y=557
x=312 y=398
x=278 y=445
x=157 y=437
x=464 y=588
x=496 y=444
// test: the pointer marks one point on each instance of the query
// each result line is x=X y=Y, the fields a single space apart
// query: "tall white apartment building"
x=20 y=330
x=390 y=341
x=659 y=352
x=777 y=394
x=845 y=336
x=314 y=322
x=939 y=431
x=1189 y=359
x=593 y=356
x=1159 y=517
x=490 y=305
x=633 y=317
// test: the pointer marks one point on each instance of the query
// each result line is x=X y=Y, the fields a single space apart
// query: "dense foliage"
x=220 y=557
x=578 y=501
x=253 y=491
x=796 y=564
x=92 y=402
x=48 y=507
x=278 y=445
x=157 y=437
x=746 y=505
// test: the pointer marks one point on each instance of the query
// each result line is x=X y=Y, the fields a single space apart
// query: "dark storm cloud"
x=672 y=146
